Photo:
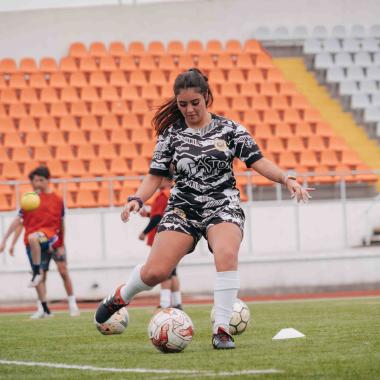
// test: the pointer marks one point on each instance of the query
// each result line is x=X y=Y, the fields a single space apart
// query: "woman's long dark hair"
x=168 y=113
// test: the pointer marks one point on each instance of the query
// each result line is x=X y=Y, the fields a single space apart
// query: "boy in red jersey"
x=42 y=227
x=170 y=294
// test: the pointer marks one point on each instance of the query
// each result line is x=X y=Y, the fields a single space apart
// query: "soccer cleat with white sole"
x=222 y=340
x=109 y=306
x=74 y=311
x=39 y=314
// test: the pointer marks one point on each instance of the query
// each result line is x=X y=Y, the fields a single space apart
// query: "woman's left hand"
x=297 y=191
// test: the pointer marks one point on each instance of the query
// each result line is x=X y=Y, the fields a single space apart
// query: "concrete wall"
x=275 y=252
x=49 y=32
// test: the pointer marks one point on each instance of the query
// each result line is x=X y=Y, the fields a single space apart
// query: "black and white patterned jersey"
x=201 y=163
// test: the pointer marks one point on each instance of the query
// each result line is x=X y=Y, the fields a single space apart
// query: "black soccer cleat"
x=179 y=307
x=109 y=306
x=222 y=340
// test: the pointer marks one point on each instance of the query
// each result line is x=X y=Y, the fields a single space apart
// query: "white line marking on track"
x=139 y=370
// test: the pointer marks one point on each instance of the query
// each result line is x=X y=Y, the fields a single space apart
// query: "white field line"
x=137 y=370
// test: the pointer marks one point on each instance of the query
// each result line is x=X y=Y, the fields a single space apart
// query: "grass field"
x=342 y=342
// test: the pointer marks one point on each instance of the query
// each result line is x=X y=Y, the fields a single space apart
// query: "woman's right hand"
x=132 y=206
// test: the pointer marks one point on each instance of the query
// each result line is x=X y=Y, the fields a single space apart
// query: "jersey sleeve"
x=162 y=156
x=245 y=146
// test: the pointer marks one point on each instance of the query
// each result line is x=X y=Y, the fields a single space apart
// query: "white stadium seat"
x=335 y=75
x=370 y=44
x=363 y=59
x=323 y=61
x=368 y=87
x=351 y=45
x=343 y=59
x=281 y=33
x=372 y=115
x=360 y=101
x=348 y=88
x=312 y=46
x=373 y=73
x=300 y=32
x=374 y=31
x=332 y=45
x=355 y=73
x=339 y=31
x=358 y=31
x=375 y=99
x=376 y=59
x=319 y=31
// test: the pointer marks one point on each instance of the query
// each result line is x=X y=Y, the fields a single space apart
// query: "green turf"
x=342 y=342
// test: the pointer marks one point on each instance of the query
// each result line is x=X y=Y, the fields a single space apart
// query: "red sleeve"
x=160 y=206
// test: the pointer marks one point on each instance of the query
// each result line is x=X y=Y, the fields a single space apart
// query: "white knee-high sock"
x=165 y=297
x=176 y=298
x=225 y=292
x=134 y=285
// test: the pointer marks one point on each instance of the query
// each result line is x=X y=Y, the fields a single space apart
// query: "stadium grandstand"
x=79 y=91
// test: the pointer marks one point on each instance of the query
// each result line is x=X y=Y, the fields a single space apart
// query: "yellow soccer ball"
x=30 y=201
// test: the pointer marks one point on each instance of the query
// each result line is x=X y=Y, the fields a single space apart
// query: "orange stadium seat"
x=206 y=63
x=130 y=121
x=118 y=136
x=274 y=75
x=42 y=153
x=47 y=124
x=59 y=109
x=88 y=64
x=350 y=158
x=109 y=122
x=263 y=131
x=98 y=167
x=244 y=61
x=240 y=103
x=283 y=130
x=229 y=90
x=107 y=151
x=21 y=154
x=9 y=96
x=252 y=47
x=129 y=150
x=139 y=106
x=138 y=78
x=176 y=48
x=55 y=138
x=107 y=64
x=291 y=116
x=18 y=81
x=158 y=78
x=264 y=61
x=214 y=47
x=224 y=62
x=268 y=89
x=129 y=92
x=27 y=124
x=249 y=89
x=118 y=166
x=324 y=130
x=275 y=145
x=271 y=116
x=89 y=123
x=98 y=137
x=109 y=94
x=166 y=63
x=77 y=138
x=78 y=80
x=28 y=65
x=260 y=102
x=98 y=50
x=236 y=76
x=68 y=124
x=86 y=152
x=34 y=139
x=150 y=92
x=329 y=158
x=119 y=108
x=322 y=177
x=140 y=135
x=287 y=88
x=136 y=49
x=147 y=63
x=308 y=159
x=127 y=64
x=67 y=65
x=99 y=108
x=64 y=153
x=85 y=198
x=11 y=170
x=316 y=144
x=69 y=95
x=140 y=165
x=8 y=66
x=37 y=81
x=337 y=143
x=48 y=65
x=195 y=48
x=58 y=80
x=79 y=109
x=38 y=110
x=17 y=111
x=78 y=50
x=75 y=168
x=287 y=160
x=295 y=144
x=29 y=96
x=255 y=75
x=279 y=102
x=117 y=49
x=88 y=94
x=49 y=95
x=156 y=49
x=98 y=79
x=117 y=79
x=303 y=130
x=233 y=47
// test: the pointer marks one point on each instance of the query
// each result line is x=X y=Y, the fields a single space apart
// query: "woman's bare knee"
x=154 y=276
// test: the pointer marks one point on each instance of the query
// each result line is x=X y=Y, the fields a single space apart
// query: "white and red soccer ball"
x=171 y=330
x=240 y=317
x=116 y=324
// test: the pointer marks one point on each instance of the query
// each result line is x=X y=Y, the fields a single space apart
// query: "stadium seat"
x=38 y=110
x=118 y=166
x=64 y=153
x=21 y=154
x=109 y=122
x=29 y=96
x=18 y=82
x=99 y=108
x=329 y=158
x=12 y=139
x=75 y=168
x=37 y=81
x=236 y=76
x=47 y=124
x=117 y=49
x=86 y=152
x=27 y=124
x=78 y=50
x=214 y=47
x=195 y=48
x=55 y=138
x=98 y=50
x=157 y=77
x=48 y=65
x=98 y=137
x=11 y=171
x=8 y=66
x=107 y=151
x=176 y=48
x=42 y=153
x=233 y=47
x=85 y=198
x=78 y=80
x=224 y=62
x=206 y=63
x=67 y=65
x=156 y=49
x=129 y=150
x=28 y=65
x=34 y=139
x=9 y=96
x=287 y=160
x=98 y=167
x=140 y=165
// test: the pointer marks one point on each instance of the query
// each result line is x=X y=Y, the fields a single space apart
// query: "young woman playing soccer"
x=199 y=147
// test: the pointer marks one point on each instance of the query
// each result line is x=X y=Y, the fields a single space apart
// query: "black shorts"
x=59 y=257
x=45 y=257
x=178 y=219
